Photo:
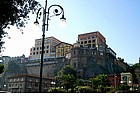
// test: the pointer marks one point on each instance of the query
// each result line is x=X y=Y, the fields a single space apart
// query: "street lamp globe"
x=62 y=22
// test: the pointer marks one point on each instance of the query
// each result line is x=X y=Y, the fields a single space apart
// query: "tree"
x=124 y=88
x=67 y=77
x=100 y=83
x=1 y=68
x=80 y=82
x=120 y=59
x=135 y=71
x=94 y=84
x=15 y=12
x=103 y=83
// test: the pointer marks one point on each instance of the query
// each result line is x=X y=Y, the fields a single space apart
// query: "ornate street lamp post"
x=58 y=10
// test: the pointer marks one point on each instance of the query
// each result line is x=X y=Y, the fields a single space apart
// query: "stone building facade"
x=49 y=50
x=91 y=62
x=26 y=83
x=127 y=78
x=63 y=50
x=91 y=56
x=92 y=40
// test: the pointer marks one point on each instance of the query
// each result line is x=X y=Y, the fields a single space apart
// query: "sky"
x=117 y=20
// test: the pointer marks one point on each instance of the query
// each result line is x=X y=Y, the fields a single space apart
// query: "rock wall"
x=12 y=68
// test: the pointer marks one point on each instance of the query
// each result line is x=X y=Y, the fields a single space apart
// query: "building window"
x=74 y=64
x=124 y=78
x=47 y=51
x=47 y=47
x=33 y=53
x=34 y=49
x=101 y=48
x=101 y=53
x=53 y=49
x=74 y=52
x=67 y=55
x=93 y=40
x=89 y=41
x=29 y=85
x=20 y=85
x=45 y=85
x=89 y=45
x=36 y=85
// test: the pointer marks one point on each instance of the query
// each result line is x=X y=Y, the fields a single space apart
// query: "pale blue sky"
x=117 y=20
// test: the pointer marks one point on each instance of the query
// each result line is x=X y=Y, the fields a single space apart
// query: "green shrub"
x=57 y=90
x=84 y=89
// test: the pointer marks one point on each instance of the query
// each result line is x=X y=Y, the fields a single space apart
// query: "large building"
x=53 y=48
x=24 y=83
x=49 y=48
x=127 y=78
x=63 y=50
x=92 y=40
x=91 y=56
x=96 y=42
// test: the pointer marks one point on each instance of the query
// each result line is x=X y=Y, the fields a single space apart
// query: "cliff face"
x=94 y=66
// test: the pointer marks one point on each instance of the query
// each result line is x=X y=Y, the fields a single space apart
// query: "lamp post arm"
x=56 y=11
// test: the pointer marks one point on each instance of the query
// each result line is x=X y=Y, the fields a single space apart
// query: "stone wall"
x=50 y=68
